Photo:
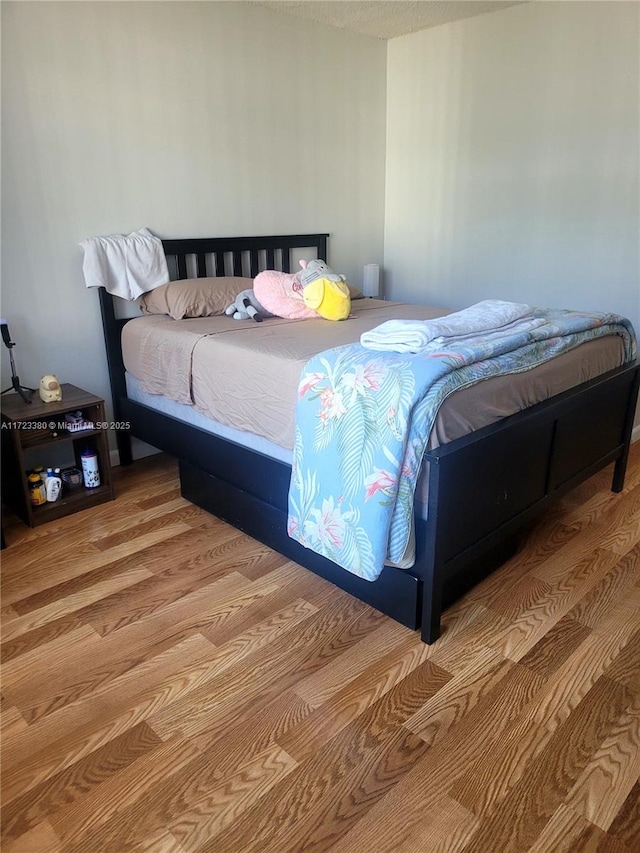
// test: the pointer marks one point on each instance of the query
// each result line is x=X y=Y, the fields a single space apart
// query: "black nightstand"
x=34 y=434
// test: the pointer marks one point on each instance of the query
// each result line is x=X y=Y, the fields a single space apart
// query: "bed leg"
x=431 y=609
x=620 y=468
x=619 y=472
x=123 y=440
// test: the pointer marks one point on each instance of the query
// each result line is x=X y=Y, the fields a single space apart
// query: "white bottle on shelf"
x=53 y=487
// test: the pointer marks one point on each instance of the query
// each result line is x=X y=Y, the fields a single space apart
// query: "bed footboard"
x=485 y=487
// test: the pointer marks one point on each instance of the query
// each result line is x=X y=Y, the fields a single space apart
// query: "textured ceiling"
x=386 y=19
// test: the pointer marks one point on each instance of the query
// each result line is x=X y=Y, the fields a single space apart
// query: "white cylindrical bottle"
x=53 y=487
x=90 y=470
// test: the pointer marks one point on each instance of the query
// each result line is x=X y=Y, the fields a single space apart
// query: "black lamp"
x=15 y=379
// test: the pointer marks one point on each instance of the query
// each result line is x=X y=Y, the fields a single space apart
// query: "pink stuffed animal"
x=281 y=294
x=314 y=291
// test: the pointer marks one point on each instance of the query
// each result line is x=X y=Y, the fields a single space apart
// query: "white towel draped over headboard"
x=126 y=265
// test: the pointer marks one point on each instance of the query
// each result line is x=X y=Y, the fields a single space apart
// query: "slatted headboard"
x=241 y=256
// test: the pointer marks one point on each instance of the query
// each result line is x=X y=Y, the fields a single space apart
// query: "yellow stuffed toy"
x=324 y=291
x=50 y=390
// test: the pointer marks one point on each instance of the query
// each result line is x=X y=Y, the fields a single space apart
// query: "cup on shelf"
x=90 y=470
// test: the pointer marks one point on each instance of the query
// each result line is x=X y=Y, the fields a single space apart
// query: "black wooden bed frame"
x=483 y=488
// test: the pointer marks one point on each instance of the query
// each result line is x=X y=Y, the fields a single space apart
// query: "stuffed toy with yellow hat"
x=324 y=291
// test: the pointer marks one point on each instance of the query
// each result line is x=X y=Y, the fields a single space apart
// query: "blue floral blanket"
x=363 y=421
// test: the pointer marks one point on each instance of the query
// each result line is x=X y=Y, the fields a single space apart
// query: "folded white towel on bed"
x=489 y=316
x=126 y=265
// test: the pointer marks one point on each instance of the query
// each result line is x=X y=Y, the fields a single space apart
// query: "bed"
x=478 y=491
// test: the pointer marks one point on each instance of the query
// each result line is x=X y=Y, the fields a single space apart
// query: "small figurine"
x=50 y=390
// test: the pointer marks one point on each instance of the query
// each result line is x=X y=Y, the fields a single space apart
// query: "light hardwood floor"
x=170 y=685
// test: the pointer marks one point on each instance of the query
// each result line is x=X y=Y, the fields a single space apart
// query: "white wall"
x=193 y=119
x=512 y=159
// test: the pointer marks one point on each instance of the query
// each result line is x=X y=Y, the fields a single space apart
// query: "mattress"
x=244 y=375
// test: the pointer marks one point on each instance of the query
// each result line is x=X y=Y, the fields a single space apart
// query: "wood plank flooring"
x=171 y=686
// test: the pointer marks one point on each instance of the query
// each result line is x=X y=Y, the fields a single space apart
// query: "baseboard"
x=635 y=434
x=139 y=449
